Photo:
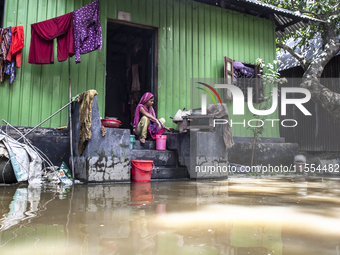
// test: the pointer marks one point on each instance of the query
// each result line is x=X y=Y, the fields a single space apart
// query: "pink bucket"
x=160 y=142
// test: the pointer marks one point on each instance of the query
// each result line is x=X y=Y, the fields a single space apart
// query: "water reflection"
x=141 y=193
x=238 y=216
x=22 y=208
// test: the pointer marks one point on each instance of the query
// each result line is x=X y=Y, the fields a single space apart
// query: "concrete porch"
x=107 y=159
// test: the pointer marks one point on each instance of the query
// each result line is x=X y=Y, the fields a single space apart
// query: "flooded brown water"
x=236 y=216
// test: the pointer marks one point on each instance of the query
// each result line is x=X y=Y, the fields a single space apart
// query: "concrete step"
x=169 y=172
x=160 y=158
x=148 y=145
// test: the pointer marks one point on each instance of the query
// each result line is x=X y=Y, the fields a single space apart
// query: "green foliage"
x=328 y=11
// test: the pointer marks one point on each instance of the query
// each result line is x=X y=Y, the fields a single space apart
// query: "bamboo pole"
x=70 y=118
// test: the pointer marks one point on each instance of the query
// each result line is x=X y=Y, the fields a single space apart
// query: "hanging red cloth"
x=42 y=35
x=17 y=43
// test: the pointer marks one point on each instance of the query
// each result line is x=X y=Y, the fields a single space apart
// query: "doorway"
x=131 y=66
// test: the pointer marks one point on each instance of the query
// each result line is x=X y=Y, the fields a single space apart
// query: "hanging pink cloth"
x=42 y=35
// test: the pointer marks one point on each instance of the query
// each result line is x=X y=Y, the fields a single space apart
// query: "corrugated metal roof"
x=286 y=21
x=281 y=10
x=286 y=18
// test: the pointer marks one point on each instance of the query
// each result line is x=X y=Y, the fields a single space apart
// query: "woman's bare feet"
x=142 y=140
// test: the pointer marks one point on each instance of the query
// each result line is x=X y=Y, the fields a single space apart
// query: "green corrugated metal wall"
x=193 y=39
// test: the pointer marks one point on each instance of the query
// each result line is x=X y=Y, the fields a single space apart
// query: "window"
x=242 y=75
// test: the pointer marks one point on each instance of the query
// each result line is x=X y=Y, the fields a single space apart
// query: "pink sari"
x=152 y=129
x=141 y=103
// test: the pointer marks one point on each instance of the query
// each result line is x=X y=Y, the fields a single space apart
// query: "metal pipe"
x=48 y=118
x=70 y=118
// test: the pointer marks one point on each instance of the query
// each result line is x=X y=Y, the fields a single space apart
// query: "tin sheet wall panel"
x=193 y=38
x=319 y=132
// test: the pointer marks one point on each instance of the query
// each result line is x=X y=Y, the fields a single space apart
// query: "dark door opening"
x=130 y=69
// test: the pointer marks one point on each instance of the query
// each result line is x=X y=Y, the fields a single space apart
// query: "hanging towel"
x=135 y=78
x=221 y=112
x=85 y=118
x=17 y=43
x=5 y=41
x=87 y=29
x=42 y=35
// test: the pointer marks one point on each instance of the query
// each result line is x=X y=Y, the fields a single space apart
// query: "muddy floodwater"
x=235 y=216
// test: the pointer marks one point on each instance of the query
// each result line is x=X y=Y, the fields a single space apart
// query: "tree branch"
x=317 y=66
x=299 y=57
x=311 y=13
x=331 y=46
x=304 y=11
x=328 y=99
x=336 y=10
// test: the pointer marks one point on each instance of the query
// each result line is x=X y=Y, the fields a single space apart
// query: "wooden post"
x=69 y=116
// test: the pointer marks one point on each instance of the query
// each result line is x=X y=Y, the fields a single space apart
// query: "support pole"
x=70 y=118
x=23 y=135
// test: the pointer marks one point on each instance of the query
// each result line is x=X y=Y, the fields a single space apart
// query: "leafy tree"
x=328 y=29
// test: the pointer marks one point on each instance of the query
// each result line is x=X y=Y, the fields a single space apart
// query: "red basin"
x=110 y=123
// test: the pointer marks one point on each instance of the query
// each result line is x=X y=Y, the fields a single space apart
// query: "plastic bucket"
x=141 y=170
x=160 y=142
x=132 y=139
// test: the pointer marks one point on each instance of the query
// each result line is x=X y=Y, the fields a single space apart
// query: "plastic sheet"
x=26 y=163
